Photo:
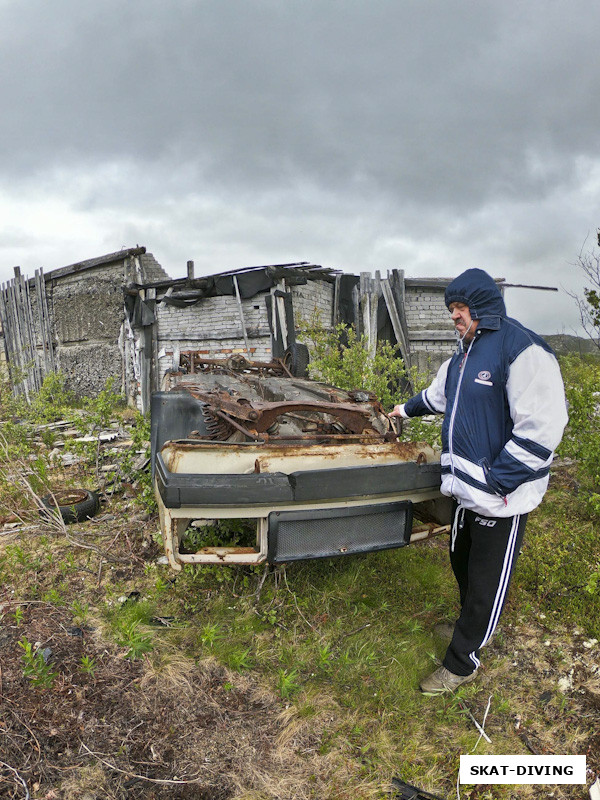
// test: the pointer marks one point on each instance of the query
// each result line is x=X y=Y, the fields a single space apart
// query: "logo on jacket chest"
x=484 y=377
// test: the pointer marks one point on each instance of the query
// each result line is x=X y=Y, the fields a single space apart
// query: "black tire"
x=296 y=359
x=74 y=505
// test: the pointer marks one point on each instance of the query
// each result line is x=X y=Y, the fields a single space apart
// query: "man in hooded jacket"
x=503 y=399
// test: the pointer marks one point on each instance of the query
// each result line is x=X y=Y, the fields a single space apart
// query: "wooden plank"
x=40 y=315
x=374 y=300
x=388 y=296
x=281 y=316
x=526 y=286
x=28 y=358
x=151 y=295
x=21 y=385
x=10 y=336
x=370 y=289
x=397 y=286
x=5 y=326
x=240 y=311
x=335 y=317
x=48 y=322
x=356 y=306
x=365 y=306
x=36 y=370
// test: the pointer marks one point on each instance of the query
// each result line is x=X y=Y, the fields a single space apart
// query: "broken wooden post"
x=241 y=312
x=370 y=289
x=396 y=324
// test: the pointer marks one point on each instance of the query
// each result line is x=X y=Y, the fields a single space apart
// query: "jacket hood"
x=478 y=290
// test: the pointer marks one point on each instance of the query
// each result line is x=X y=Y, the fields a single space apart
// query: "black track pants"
x=483 y=552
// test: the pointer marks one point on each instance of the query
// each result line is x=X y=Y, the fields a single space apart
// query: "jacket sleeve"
x=538 y=409
x=431 y=400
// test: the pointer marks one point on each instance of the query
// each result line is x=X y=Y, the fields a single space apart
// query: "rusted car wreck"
x=320 y=469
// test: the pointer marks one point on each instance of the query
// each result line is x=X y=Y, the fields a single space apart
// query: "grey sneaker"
x=442 y=680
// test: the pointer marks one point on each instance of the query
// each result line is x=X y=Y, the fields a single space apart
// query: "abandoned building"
x=121 y=317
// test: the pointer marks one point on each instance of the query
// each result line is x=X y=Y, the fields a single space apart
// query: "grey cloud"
x=431 y=102
x=428 y=135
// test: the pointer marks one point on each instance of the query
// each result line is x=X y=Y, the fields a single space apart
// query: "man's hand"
x=398 y=411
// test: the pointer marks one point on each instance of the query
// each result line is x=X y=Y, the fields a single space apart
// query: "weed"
x=325 y=657
x=101 y=409
x=18 y=615
x=54 y=597
x=87 y=665
x=287 y=682
x=35 y=667
x=210 y=635
x=225 y=533
x=136 y=642
x=80 y=611
x=239 y=660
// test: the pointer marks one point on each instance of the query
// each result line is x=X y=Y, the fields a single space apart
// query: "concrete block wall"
x=213 y=328
x=430 y=329
x=426 y=309
x=87 y=310
x=314 y=297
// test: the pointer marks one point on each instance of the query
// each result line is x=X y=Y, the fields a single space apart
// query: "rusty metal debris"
x=320 y=471
x=252 y=398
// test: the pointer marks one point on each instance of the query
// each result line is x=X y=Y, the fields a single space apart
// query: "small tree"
x=589 y=303
x=339 y=357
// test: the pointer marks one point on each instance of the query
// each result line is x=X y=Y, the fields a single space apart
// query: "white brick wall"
x=313 y=297
x=426 y=311
x=425 y=308
x=213 y=327
x=211 y=318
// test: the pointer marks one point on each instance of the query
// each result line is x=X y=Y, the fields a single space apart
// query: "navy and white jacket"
x=504 y=405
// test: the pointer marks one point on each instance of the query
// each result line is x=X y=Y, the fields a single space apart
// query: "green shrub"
x=341 y=358
x=581 y=440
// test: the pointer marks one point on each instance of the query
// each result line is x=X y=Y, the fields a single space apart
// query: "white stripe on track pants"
x=483 y=553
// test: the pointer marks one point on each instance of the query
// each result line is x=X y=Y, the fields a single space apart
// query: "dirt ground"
x=130 y=729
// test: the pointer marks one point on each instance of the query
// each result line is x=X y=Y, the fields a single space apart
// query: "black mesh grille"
x=295 y=535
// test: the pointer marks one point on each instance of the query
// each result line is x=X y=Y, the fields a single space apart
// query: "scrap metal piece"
x=408 y=792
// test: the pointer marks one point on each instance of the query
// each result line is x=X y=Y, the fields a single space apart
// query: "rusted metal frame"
x=364 y=438
x=264 y=414
x=174 y=528
x=355 y=419
x=284 y=368
x=252 y=434
x=428 y=530
x=310 y=436
x=262 y=366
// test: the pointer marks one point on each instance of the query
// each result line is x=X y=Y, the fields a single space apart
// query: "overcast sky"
x=427 y=135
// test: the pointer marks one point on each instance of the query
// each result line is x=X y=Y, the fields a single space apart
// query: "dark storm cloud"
x=435 y=103
x=364 y=135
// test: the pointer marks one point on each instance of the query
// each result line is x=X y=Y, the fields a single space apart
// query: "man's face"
x=461 y=317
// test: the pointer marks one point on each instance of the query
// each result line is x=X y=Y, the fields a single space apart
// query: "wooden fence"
x=366 y=302
x=27 y=329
